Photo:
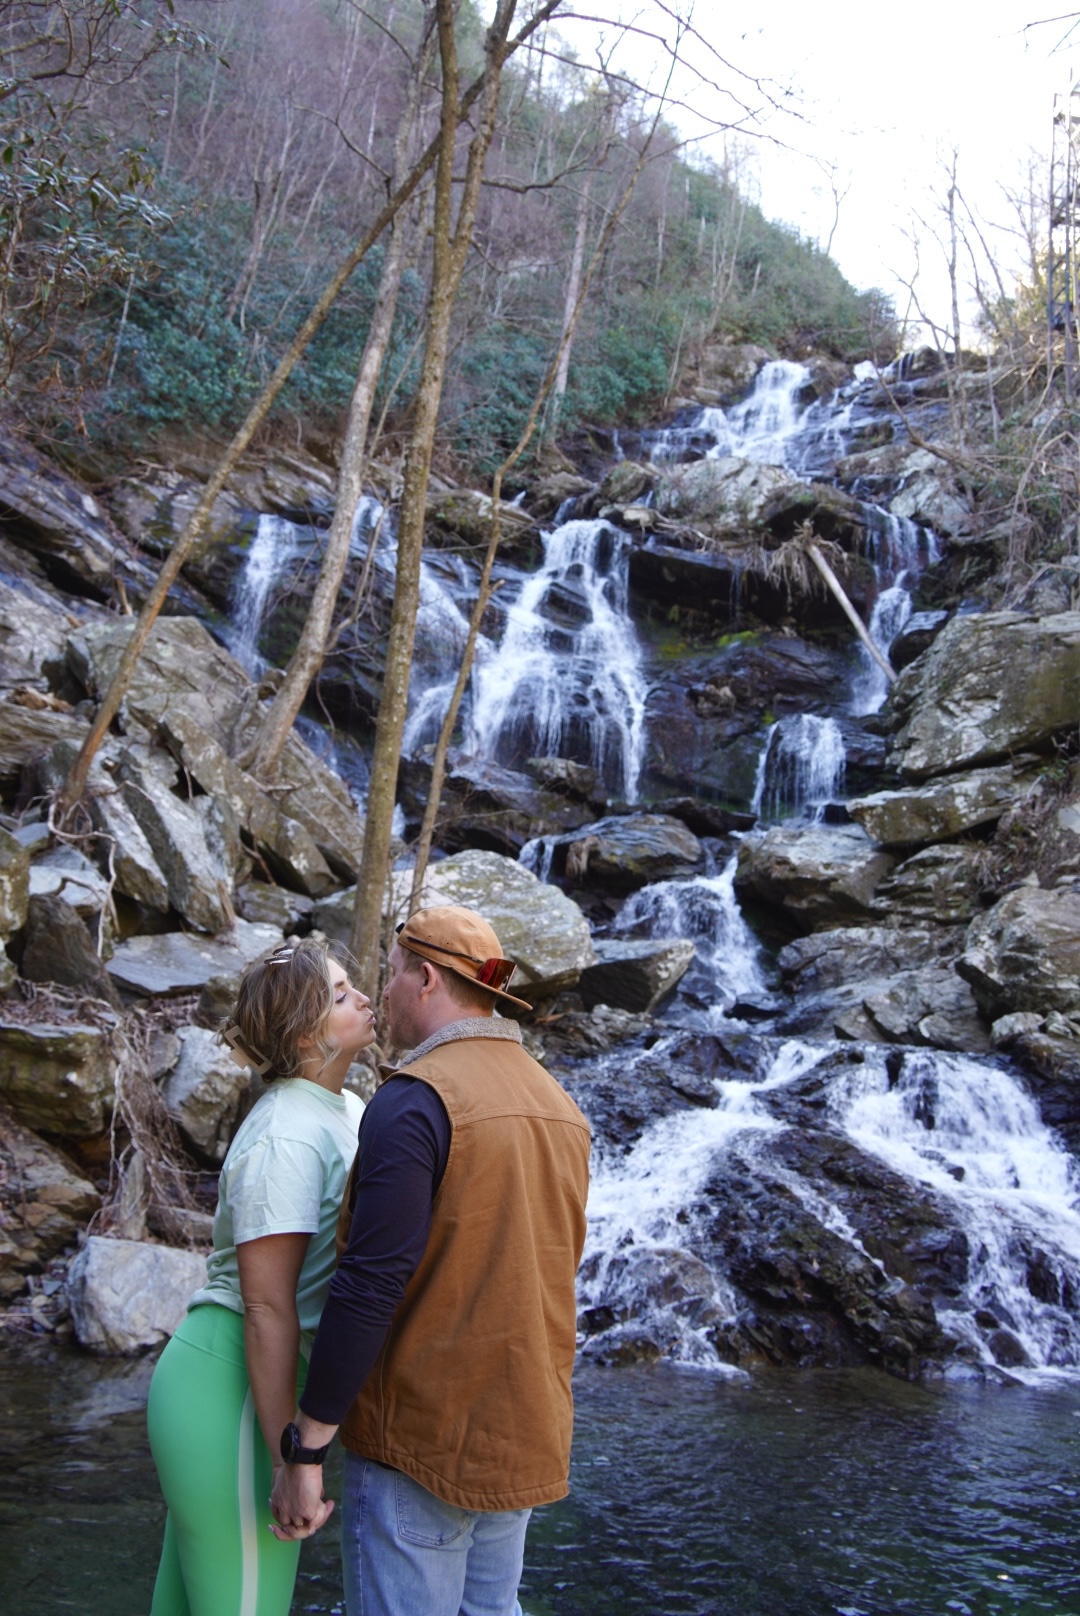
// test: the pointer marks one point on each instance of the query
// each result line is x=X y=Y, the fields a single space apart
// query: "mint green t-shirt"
x=285 y=1174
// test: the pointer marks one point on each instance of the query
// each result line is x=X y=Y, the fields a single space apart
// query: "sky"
x=881 y=95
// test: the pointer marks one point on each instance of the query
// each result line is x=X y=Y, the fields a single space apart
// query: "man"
x=447 y=1343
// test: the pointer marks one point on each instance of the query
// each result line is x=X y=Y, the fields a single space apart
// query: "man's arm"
x=403 y=1146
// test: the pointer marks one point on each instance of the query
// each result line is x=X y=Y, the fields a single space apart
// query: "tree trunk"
x=450 y=248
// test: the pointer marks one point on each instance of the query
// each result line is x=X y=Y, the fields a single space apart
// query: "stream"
x=832 y=1494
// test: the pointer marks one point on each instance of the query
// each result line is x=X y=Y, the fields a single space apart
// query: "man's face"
x=401 y=999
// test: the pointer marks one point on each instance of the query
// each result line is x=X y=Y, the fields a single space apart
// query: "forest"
x=179 y=180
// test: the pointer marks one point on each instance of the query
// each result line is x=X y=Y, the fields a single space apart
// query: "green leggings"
x=219 y=1557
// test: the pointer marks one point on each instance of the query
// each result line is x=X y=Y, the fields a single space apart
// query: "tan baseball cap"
x=461 y=941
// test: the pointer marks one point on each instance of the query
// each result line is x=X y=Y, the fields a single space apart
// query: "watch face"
x=290 y=1443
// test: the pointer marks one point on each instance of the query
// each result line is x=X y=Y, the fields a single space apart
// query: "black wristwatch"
x=293 y=1451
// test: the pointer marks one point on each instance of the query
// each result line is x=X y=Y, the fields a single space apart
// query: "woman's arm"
x=269 y=1273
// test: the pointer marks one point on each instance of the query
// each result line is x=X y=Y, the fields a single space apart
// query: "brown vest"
x=470 y=1394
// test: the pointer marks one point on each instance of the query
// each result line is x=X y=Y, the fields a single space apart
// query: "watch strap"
x=293 y=1450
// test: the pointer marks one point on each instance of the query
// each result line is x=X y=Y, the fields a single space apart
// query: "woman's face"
x=351 y=1023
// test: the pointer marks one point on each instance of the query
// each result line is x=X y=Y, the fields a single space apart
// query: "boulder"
x=634 y=974
x=823 y=876
x=59 y=1077
x=14 y=884
x=127 y=1296
x=198 y=883
x=204 y=1092
x=917 y=635
x=941 y=885
x=62 y=523
x=929 y=496
x=289 y=846
x=58 y=948
x=44 y=1202
x=63 y=872
x=181 y=962
x=486 y=805
x=269 y=905
x=468 y=514
x=184 y=669
x=154 y=509
x=1024 y=953
x=933 y=1007
x=725 y=492
x=943 y=808
x=991 y=685
x=34 y=627
x=853 y=954
x=624 y=852
x=549 y=493
x=537 y=925
x=723 y=370
x=28 y=734
x=122 y=843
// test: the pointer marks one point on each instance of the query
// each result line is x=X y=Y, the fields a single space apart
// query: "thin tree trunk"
x=307 y=659
x=856 y=621
x=573 y=292
x=450 y=248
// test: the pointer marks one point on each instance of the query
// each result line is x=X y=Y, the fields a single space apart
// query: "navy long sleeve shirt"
x=402 y=1150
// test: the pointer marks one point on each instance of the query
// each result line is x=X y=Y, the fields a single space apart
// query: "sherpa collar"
x=468 y=1027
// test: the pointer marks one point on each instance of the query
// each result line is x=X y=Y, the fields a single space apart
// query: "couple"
x=446 y=1343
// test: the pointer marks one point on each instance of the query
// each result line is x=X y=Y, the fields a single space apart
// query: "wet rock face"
x=991 y=685
x=1024 y=954
x=44 y=1202
x=820 y=877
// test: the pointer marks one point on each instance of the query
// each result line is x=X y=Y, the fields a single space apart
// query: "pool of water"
x=829 y=1494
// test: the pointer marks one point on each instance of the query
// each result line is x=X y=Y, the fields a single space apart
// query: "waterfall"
x=898 y=549
x=273 y=546
x=800 y=769
x=567 y=679
x=962 y=1128
x=728 y=964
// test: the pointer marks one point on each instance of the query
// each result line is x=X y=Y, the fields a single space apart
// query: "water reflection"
x=829 y=1494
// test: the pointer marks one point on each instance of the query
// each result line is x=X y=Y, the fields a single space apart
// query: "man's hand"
x=297 y=1503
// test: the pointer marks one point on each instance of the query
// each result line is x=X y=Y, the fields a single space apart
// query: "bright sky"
x=883 y=93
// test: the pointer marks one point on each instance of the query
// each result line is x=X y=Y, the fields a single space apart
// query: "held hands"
x=297 y=1503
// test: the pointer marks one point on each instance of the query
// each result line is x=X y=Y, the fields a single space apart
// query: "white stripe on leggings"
x=245 y=1487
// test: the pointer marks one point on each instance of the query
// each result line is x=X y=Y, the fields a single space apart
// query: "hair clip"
x=281 y=956
x=240 y=1055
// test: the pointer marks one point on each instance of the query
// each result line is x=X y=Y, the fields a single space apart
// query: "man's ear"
x=431 y=977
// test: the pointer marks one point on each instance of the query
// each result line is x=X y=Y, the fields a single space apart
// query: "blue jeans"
x=405 y=1552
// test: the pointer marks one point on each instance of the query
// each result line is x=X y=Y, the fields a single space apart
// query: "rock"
x=625 y=484
x=486 y=805
x=933 y=1007
x=940 y=885
x=578 y=1032
x=1007 y=1029
x=28 y=734
x=572 y=779
x=991 y=685
x=197 y=882
x=1050 y=1062
x=180 y=962
x=537 y=925
x=14 y=884
x=290 y=848
x=58 y=948
x=204 y=1092
x=550 y=492
x=122 y=842
x=468 y=514
x=942 y=808
x=8 y=972
x=725 y=492
x=624 y=852
x=127 y=1296
x=855 y=954
x=34 y=627
x=62 y=523
x=1024 y=953
x=724 y=370
x=269 y=905
x=153 y=510
x=917 y=635
x=820 y=877
x=59 y=1077
x=929 y=496
x=184 y=669
x=44 y=1202
x=62 y=872
x=634 y=975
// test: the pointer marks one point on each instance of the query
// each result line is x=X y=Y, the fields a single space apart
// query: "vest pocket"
x=428 y=1521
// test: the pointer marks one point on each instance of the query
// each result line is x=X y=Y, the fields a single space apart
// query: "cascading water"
x=567 y=679
x=801 y=768
x=962 y=1128
x=275 y=543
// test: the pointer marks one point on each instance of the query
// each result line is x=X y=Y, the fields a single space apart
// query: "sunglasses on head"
x=493 y=973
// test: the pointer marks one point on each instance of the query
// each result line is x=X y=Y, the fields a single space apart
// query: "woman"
x=226 y=1385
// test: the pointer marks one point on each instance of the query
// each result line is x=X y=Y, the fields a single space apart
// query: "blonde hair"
x=284 y=997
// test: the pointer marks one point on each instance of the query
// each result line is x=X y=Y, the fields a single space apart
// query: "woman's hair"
x=284 y=997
